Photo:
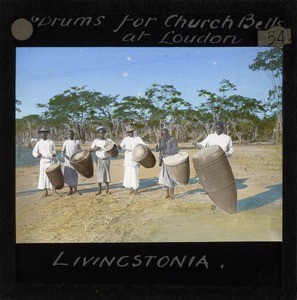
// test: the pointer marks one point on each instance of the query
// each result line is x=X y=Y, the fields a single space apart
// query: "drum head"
x=176 y=159
x=53 y=167
x=109 y=145
x=208 y=154
x=79 y=156
x=139 y=152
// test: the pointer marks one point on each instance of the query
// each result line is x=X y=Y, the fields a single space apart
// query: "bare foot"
x=136 y=192
x=171 y=192
x=131 y=192
x=77 y=191
x=98 y=193
x=108 y=193
x=44 y=194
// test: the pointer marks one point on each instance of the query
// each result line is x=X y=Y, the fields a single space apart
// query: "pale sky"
x=42 y=73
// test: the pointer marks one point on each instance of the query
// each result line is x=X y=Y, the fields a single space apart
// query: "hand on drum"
x=119 y=146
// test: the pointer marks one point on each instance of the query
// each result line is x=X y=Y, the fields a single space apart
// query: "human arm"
x=94 y=147
x=229 y=150
x=35 y=151
x=53 y=149
x=202 y=144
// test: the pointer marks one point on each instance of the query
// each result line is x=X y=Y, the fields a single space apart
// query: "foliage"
x=18 y=103
x=78 y=108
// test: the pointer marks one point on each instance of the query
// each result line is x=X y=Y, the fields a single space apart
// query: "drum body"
x=143 y=155
x=215 y=174
x=114 y=152
x=83 y=163
x=55 y=175
x=178 y=167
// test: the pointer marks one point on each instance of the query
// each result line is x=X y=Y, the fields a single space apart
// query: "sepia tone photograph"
x=136 y=144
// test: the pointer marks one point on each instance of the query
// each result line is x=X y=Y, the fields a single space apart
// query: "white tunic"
x=222 y=140
x=102 y=154
x=46 y=148
x=131 y=167
x=103 y=162
x=70 y=174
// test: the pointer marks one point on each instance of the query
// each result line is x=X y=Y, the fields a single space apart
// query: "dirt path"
x=190 y=217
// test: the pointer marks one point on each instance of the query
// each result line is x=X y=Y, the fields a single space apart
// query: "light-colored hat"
x=101 y=128
x=43 y=129
x=129 y=128
x=108 y=145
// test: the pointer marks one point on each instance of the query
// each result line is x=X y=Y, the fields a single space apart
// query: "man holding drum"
x=103 y=161
x=131 y=180
x=45 y=150
x=218 y=138
x=69 y=147
x=167 y=146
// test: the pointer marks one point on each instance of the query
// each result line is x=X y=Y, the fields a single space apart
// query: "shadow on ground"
x=274 y=193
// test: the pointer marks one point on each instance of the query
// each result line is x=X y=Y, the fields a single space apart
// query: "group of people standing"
x=44 y=149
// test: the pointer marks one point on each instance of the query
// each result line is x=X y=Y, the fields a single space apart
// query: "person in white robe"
x=45 y=150
x=218 y=138
x=103 y=159
x=131 y=180
x=70 y=146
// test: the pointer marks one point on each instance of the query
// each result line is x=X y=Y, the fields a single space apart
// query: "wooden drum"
x=55 y=175
x=178 y=167
x=83 y=163
x=216 y=176
x=143 y=155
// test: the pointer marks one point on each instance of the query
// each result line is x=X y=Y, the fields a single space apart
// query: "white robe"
x=222 y=140
x=131 y=167
x=70 y=174
x=46 y=148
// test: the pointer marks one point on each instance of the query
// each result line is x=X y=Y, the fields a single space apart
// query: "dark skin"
x=169 y=191
x=219 y=129
x=101 y=136
x=132 y=191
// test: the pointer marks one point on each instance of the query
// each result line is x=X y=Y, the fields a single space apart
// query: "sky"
x=42 y=73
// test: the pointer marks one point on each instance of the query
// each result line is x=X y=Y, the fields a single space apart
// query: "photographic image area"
x=178 y=99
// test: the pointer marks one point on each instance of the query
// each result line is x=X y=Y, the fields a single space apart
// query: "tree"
x=18 y=103
x=79 y=108
x=235 y=109
x=164 y=101
x=271 y=62
x=26 y=128
x=157 y=108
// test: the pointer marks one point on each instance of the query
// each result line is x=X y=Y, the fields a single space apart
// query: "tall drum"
x=55 y=175
x=143 y=155
x=216 y=176
x=178 y=167
x=83 y=163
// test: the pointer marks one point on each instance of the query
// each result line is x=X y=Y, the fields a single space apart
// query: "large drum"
x=216 y=176
x=143 y=155
x=55 y=175
x=178 y=167
x=83 y=163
